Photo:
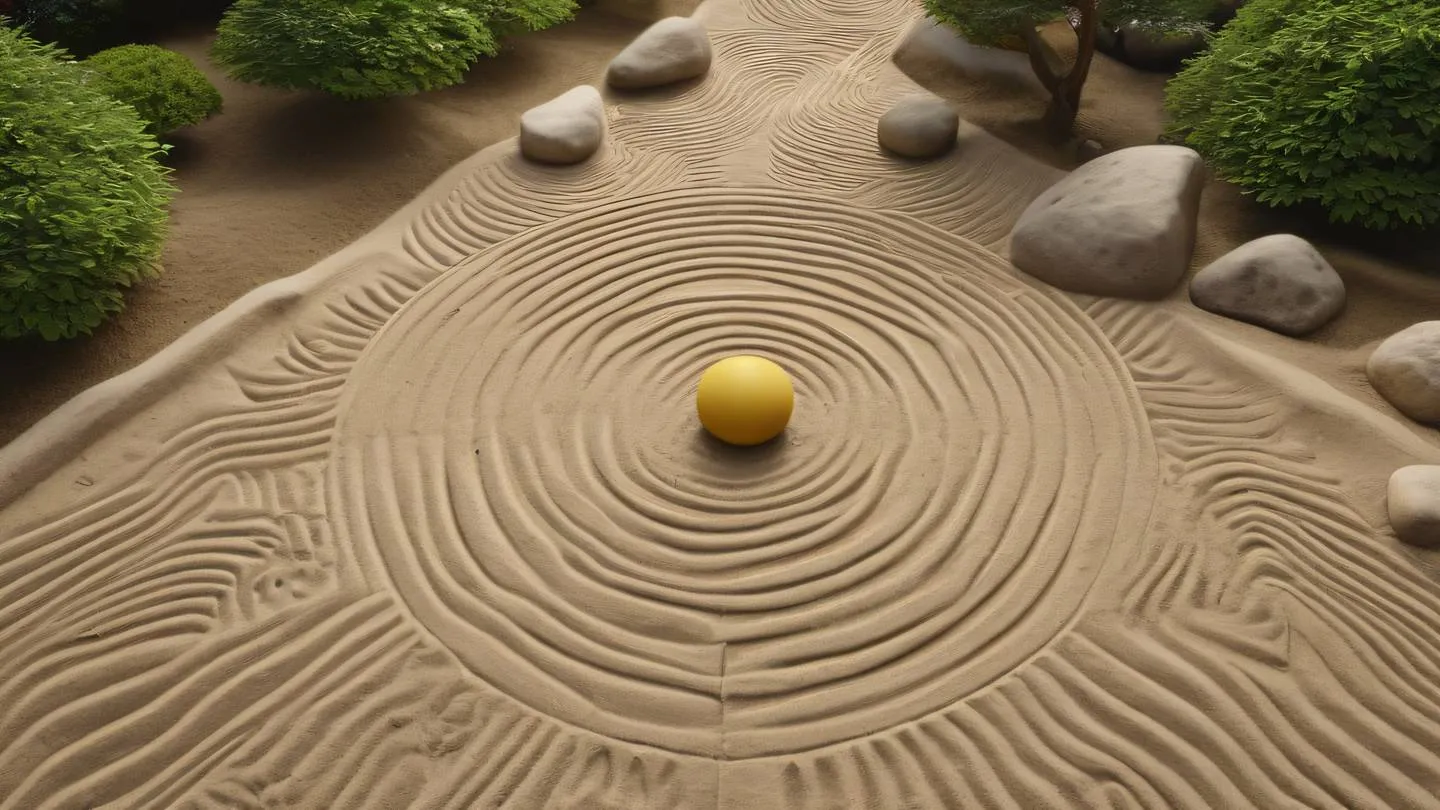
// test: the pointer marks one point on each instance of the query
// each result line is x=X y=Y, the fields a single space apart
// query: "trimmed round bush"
x=359 y=49
x=1328 y=102
x=82 y=27
x=164 y=87
x=83 y=197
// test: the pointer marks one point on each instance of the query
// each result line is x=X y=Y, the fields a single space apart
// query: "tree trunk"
x=1064 y=85
x=1074 y=81
x=1060 y=115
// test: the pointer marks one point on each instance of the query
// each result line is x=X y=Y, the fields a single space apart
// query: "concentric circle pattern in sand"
x=518 y=452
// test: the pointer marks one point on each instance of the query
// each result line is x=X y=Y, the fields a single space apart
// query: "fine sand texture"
x=432 y=523
x=282 y=179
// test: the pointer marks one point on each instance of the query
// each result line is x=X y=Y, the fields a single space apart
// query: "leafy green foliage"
x=1005 y=22
x=1177 y=17
x=988 y=22
x=83 y=197
x=80 y=26
x=507 y=17
x=371 y=48
x=164 y=87
x=1335 y=102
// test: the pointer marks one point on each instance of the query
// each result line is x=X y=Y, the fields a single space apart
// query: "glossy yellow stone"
x=745 y=400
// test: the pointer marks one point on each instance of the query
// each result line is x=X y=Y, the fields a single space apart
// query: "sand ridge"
x=748 y=605
x=430 y=524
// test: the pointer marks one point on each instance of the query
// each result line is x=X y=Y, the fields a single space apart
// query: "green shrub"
x=164 y=87
x=1011 y=24
x=83 y=197
x=507 y=17
x=82 y=27
x=370 y=48
x=1335 y=102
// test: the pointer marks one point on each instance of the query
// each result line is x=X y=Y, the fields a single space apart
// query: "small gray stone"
x=1088 y=150
x=1280 y=282
x=1122 y=225
x=566 y=129
x=1405 y=369
x=1414 y=502
x=921 y=126
x=672 y=50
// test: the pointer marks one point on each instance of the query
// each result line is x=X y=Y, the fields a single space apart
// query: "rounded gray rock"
x=672 y=50
x=1121 y=225
x=919 y=127
x=1153 y=50
x=566 y=129
x=1405 y=369
x=1280 y=282
x=1414 y=504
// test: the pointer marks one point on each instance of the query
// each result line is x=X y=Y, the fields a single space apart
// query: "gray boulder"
x=922 y=126
x=1414 y=504
x=1121 y=225
x=1405 y=369
x=1280 y=282
x=566 y=129
x=672 y=50
x=932 y=48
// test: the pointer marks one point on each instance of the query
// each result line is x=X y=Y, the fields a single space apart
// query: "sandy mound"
x=431 y=524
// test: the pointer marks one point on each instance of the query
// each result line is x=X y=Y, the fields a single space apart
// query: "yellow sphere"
x=745 y=400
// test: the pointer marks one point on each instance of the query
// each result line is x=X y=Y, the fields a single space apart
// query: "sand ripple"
x=538 y=491
x=850 y=20
x=754 y=74
x=977 y=191
x=505 y=197
x=449 y=536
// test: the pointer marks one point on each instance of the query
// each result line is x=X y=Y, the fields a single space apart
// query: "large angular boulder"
x=1405 y=369
x=1280 y=282
x=921 y=126
x=672 y=50
x=1122 y=225
x=1414 y=504
x=1148 y=49
x=933 y=49
x=566 y=129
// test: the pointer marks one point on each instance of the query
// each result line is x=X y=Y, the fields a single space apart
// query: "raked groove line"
x=963 y=455
x=451 y=538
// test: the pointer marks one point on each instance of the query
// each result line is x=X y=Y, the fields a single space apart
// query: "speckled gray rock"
x=566 y=129
x=1280 y=282
x=1405 y=369
x=672 y=50
x=1414 y=502
x=1122 y=225
x=921 y=126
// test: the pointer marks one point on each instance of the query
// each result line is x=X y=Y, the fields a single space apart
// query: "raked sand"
x=432 y=524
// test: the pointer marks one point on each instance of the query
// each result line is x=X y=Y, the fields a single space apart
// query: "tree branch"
x=1043 y=59
x=1084 y=52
